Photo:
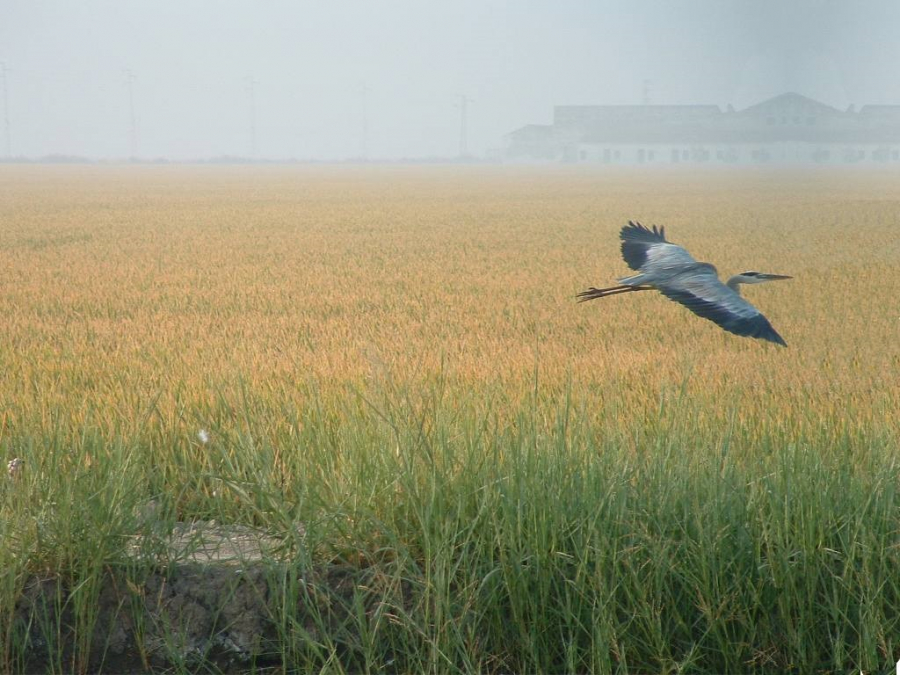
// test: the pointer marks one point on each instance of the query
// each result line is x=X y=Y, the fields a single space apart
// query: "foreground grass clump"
x=473 y=543
x=467 y=472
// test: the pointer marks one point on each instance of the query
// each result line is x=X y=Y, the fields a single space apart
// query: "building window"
x=617 y=154
x=606 y=155
x=675 y=155
x=650 y=155
x=640 y=155
x=685 y=154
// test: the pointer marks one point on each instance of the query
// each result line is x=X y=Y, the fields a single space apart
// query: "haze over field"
x=321 y=73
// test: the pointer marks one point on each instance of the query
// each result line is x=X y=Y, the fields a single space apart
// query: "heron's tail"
x=633 y=280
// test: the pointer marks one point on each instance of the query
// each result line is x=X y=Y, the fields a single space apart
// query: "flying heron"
x=672 y=271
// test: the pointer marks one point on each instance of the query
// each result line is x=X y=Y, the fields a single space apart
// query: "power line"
x=463 y=125
x=132 y=130
x=365 y=123
x=3 y=73
x=251 y=93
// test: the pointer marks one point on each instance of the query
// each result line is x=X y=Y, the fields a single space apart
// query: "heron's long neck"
x=734 y=284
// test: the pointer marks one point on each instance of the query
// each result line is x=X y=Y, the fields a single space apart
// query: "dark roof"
x=531 y=132
x=564 y=115
x=790 y=100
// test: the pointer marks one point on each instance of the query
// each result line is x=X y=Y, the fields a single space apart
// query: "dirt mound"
x=208 y=598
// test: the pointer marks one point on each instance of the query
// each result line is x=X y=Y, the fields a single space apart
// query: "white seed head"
x=203 y=435
x=14 y=467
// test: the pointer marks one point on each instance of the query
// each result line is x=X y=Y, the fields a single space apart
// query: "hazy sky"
x=192 y=61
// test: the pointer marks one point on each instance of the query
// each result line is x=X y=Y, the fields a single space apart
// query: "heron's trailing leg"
x=593 y=293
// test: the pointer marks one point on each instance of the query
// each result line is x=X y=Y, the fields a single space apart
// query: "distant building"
x=789 y=128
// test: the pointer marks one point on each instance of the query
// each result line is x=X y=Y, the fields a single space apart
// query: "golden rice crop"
x=123 y=284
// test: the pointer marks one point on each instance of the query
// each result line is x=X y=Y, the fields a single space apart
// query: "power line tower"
x=251 y=93
x=464 y=102
x=364 y=148
x=132 y=129
x=4 y=73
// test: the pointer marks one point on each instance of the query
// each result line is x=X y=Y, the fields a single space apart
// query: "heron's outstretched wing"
x=701 y=292
x=647 y=250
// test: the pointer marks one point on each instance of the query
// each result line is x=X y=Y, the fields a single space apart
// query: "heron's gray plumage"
x=700 y=290
x=645 y=248
x=671 y=270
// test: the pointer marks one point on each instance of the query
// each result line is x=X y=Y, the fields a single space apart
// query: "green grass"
x=548 y=539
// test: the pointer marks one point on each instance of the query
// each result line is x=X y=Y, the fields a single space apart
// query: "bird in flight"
x=672 y=271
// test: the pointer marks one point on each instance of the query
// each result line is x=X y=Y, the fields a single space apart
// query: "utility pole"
x=129 y=83
x=4 y=73
x=251 y=91
x=365 y=124
x=645 y=93
x=464 y=102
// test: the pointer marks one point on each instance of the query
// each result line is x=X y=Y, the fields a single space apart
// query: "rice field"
x=391 y=360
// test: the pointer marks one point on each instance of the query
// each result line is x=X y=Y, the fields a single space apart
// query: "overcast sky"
x=192 y=61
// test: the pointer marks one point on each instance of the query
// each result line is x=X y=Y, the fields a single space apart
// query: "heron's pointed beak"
x=773 y=277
